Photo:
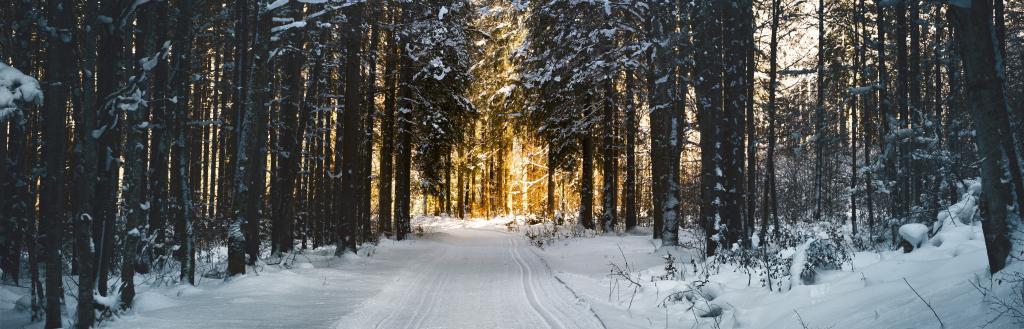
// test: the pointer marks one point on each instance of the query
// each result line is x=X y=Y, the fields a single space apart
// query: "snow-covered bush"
x=671 y=271
x=798 y=253
x=544 y=234
x=820 y=255
x=823 y=249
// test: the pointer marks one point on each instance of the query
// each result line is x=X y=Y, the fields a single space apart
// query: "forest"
x=162 y=143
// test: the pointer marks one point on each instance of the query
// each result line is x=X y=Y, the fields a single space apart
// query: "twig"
x=941 y=325
x=801 y=320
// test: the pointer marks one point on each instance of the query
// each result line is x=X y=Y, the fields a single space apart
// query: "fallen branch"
x=926 y=303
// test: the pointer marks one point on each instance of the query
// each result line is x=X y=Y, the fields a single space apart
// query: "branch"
x=941 y=325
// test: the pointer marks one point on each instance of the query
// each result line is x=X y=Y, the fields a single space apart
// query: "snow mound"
x=914 y=233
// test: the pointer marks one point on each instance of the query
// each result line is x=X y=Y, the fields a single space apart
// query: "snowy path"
x=474 y=278
x=462 y=277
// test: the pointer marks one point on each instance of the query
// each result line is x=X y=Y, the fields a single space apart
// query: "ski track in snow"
x=472 y=278
x=459 y=277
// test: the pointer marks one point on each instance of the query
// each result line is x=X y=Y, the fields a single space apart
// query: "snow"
x=870 y=294
x=15 y=88
x=296 y=25
x=476 y=274
x=799 y=261
x=276 y=4
x=914 y=233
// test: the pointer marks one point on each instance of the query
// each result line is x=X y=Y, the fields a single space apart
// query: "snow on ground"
x=872 y=291
x=477 y=274
x=870 y=294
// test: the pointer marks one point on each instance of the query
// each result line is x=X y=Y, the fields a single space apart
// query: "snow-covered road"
x=474 y=278
x=470 y=276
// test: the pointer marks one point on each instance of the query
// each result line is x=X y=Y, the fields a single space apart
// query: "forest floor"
x=477 y=274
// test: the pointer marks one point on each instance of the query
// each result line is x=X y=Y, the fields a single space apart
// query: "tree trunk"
x=58 y=79
x=109 y=74
x=884 y=108
x=707 y=24
x=587 y=182
x=387 y=137
x=85 y=175
x=245 y=119
x=180 y=187
x=629 y=186
x=609 y=157
x=990 y=114
x=819 y=116
x=159 y=138
x=751 y=127
x=664 y=125
x=403 y=146
x=365 y=230
x=352 y=137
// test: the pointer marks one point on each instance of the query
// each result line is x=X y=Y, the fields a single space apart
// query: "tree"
x=664 y=125
x=85 y=175
x=771 y=200
x=180 y=188
x=387 y=129
x=985 y=92
x=629 y=185
x=351 y=163
x=242 y=176
x=290 y=134
x=708 y=39
x=59 y=78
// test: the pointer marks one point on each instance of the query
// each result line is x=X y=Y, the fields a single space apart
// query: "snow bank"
x=16 y=87
x=868 y=292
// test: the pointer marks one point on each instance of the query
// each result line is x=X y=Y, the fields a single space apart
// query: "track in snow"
x=473 y=278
